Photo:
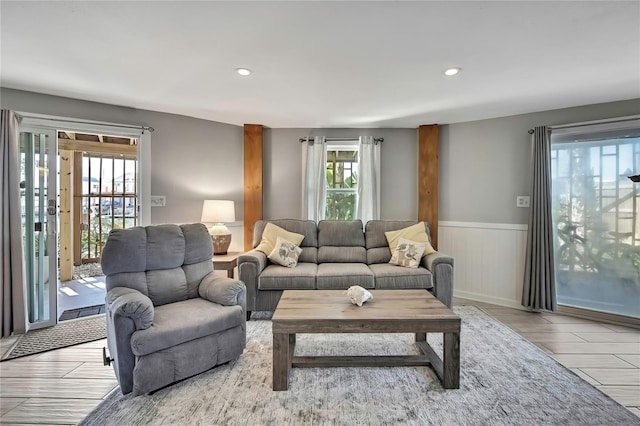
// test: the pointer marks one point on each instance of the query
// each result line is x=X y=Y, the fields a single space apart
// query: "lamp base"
x=221 y=243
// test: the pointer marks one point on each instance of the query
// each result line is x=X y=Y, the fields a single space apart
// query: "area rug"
x=504 y=380
x=67 y=333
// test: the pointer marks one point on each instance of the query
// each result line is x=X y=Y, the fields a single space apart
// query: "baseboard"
x=499 y=301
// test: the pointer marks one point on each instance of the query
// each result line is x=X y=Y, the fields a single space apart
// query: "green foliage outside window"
x=342 y=185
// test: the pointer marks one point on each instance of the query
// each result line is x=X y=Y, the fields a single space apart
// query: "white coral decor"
x=358 y=295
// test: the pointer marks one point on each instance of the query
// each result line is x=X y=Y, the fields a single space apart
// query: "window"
x=342 y=181
x=595 y=216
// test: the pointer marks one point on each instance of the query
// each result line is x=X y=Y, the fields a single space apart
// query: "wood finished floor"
x=63 y=386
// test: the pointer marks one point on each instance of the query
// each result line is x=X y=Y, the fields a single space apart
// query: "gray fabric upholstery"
x=338 y=254
x=276 y=277
x=161 y=368
x=390 y=277
x=180 y=322
x=221 y=290
x=378 y=255
x=340 y=233
x=164 y=322
x=332 y=254
x=333 y=276
x=131 y=303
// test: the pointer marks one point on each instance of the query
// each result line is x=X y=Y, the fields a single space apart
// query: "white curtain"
x=368 y=179
x=12 y=288
x=314 y=191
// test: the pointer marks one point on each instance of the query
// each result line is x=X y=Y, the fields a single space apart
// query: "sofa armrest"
x=132 y=304
x=222 y=290
x=441 y=266
x=250 y=266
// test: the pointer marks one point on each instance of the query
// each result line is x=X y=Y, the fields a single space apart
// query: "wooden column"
x=66 y=215
x=252 y=180
x=77 y=208
x=428 y=178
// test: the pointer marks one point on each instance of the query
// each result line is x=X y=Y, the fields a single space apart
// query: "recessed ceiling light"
x=452 y=71
x=243 y=71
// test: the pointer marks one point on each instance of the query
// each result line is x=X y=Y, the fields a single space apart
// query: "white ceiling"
x=326 y=64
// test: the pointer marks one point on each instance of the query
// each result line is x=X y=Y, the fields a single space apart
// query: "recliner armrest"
x=222 y=290
x=132 y=304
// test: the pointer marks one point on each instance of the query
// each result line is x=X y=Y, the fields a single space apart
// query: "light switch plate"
x=522 y=201
x=158 y=201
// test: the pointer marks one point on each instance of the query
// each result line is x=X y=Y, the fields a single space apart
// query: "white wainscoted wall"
x=488 y=260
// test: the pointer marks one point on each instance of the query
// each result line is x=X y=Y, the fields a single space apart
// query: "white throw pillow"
x=285 y=253
x=408 y=253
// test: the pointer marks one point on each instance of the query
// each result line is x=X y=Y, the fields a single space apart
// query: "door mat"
x=67 y=333
x=82 y=312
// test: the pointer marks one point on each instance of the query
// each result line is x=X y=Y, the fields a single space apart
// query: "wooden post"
x=252 y=180
x=77 y=208
x=428 y=179
x=66 y=215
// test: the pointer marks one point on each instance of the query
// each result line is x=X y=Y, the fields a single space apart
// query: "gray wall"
x=283 y=170
x=191 y=159
x=485 y=164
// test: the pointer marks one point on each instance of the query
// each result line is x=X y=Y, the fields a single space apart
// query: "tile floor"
x=63 y=386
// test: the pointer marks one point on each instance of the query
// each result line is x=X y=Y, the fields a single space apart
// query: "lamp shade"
x=218 y=211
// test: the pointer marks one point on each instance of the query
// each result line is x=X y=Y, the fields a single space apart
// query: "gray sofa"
x=169 y=316
x=337 y=255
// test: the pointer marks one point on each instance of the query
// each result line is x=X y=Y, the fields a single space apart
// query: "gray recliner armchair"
x=169 y=316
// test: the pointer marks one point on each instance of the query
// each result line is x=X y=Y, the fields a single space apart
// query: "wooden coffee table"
x=390 y=311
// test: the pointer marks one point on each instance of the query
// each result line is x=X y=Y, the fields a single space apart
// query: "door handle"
x=52 y=207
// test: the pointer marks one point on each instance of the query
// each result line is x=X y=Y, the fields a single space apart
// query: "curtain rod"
x=591 y=123
x=341 y=139
x=97 y=123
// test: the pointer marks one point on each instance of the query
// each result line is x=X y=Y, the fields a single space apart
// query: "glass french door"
x=38 y=191
x=595 y=206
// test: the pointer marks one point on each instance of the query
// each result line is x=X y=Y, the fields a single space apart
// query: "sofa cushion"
x=389 y=276
x=343 y=276
x=340 y=233
x=181 y=322
x=378 y=255
x=276 y=277
x=331 y=254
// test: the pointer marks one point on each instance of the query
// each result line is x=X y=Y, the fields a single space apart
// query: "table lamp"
x=218 y=212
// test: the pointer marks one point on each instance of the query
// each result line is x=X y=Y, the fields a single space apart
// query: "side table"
x=226 y=262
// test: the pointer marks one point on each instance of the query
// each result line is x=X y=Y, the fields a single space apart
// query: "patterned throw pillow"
x=408 y=253
x=285 y=253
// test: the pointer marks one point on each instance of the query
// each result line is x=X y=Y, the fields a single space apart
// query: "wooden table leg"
x=421 y=337
x=281 y=360
x=230 y=273
x=451 y=361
